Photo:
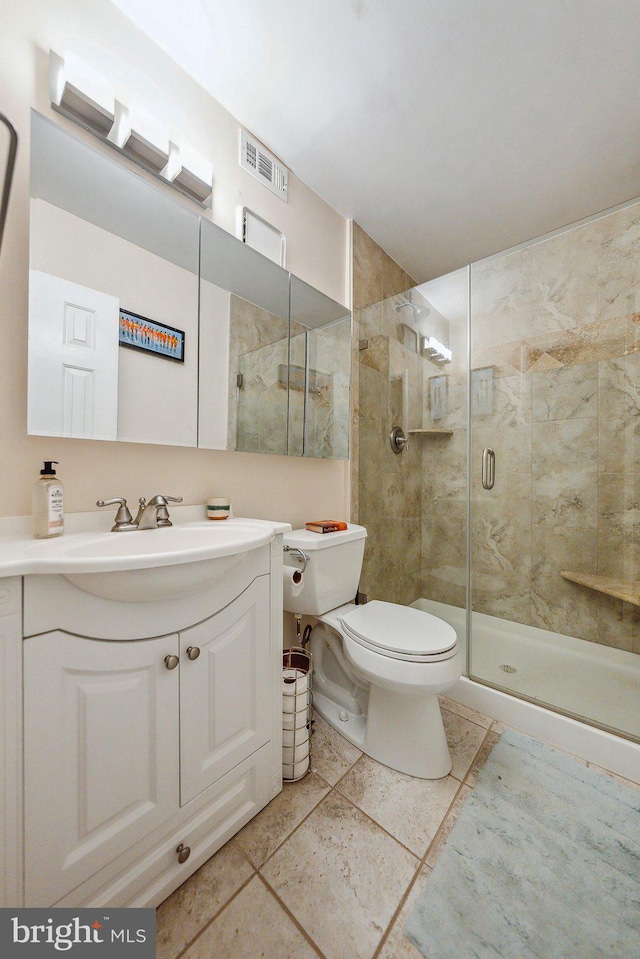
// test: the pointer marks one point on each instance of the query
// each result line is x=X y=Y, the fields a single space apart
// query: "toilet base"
x=392 y=722
x=425 y=757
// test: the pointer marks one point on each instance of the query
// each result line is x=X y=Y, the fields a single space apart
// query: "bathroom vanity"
x=141 y=689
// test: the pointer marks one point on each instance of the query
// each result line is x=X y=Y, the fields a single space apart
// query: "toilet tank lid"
x=305 y=539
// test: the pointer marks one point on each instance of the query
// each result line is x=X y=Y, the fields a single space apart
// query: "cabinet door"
x=101 y=754
x=224 y=692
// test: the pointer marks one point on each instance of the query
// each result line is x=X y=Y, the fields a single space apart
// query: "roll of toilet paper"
x=297 y=721
x=295 y=690
x=293 y=581
x=296 y=737
x=296 y=770
x=292 y=755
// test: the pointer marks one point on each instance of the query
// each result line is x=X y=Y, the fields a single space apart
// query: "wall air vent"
x=263 y=165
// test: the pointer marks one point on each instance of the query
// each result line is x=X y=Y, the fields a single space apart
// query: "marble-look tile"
x=180 y=917
x=410 y=809
x=391 y=568
x=619 y=525
x=619 y=420
x=556 y=604
x=396 y=945
x=501 y=548
x=618 y=623
x=564 y=471
x=253 y=924
x=465 y=739
x=342 y=877
x=447 y=825
x=331 y=755
x=501 y=299
x=367 y=269
x=465 y=711
x=370 y=321
x=565 y=279
x=619 y=262
x=275 y=822
x=566 y=394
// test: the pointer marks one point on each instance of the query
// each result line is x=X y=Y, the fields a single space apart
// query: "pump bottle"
x=48 y=503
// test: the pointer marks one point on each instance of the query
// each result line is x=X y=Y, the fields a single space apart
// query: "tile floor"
x=332 y=866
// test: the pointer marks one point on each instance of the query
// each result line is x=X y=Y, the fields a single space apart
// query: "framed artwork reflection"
x=140 y=333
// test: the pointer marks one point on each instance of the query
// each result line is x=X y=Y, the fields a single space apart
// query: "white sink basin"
x=148 y=565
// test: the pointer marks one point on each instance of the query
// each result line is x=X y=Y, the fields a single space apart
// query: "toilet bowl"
x=378 y=667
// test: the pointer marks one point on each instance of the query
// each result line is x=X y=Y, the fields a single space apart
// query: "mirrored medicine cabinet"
x=150 y=324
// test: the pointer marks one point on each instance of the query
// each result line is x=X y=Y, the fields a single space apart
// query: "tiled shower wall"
x=558 y=324
x=386 y=488
x=556 y=341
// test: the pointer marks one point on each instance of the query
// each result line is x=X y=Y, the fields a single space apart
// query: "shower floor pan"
x=594 y=683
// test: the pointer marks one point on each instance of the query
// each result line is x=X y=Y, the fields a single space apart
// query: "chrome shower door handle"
x=488 y=468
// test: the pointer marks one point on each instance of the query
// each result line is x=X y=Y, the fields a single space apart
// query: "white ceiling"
x=448 y=129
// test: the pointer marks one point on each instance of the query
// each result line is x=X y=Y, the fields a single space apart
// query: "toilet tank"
x=332 y=573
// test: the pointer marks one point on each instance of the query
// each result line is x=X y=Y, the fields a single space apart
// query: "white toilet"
x=379 y=667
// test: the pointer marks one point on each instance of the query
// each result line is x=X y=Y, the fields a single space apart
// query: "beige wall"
x=287 y=488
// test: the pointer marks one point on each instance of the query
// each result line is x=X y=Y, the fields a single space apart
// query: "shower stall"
x=513 y=511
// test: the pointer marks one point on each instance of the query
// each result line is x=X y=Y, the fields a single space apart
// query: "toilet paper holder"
x=299 y=554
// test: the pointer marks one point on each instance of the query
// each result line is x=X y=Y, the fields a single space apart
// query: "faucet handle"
x=124 y=521
x=162 y=514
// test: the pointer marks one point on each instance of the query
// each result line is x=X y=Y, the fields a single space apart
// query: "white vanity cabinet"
x=151 y=730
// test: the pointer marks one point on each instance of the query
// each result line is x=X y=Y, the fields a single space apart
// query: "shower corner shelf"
x=624 y=589
x=430 y=432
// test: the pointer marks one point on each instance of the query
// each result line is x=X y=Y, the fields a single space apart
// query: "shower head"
x=419 y=312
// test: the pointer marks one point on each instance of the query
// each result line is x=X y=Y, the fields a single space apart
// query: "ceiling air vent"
x=263 y=165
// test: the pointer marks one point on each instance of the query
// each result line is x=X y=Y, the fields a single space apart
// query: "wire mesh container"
x=297 y=703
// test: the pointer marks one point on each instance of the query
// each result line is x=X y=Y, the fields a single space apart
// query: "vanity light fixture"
x=84 y=96
x=81 y=93
x=140 y=136
x=436 y=350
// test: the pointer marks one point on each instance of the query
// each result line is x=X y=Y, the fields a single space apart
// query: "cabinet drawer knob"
x=193 y=652
x=171 y=662
x=183 y=852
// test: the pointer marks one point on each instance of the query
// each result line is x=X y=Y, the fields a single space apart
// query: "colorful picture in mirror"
x=140 y=333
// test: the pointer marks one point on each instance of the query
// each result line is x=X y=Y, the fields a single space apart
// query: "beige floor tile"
x=331 y=755
x=260 y=837
x=447 y=825
x=396 y=945
x=180 y=917
x=490 y=740
x=410 y=809
x=465 y=711
x=253 y=925
x=342 y=877
x=464 y=738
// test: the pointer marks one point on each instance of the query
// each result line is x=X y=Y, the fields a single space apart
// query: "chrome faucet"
x=151 y=515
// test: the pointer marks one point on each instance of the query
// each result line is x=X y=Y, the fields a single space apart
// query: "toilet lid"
x=399 y=631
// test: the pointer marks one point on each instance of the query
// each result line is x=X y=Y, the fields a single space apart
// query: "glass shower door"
x=554 y=534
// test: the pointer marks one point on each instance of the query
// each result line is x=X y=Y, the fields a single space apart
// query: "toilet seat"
x=400 y=632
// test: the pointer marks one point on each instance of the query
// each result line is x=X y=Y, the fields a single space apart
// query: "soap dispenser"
x=48 y=503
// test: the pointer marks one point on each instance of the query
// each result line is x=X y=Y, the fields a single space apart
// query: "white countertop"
x=88 y=545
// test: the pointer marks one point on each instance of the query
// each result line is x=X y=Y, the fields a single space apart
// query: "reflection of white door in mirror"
x=73 y=359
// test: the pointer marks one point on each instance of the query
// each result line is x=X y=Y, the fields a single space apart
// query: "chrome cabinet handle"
x=488 y=468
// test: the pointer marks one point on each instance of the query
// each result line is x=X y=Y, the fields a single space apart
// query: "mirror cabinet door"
x=244 y=346
x=319 y=374
x=113 y=308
